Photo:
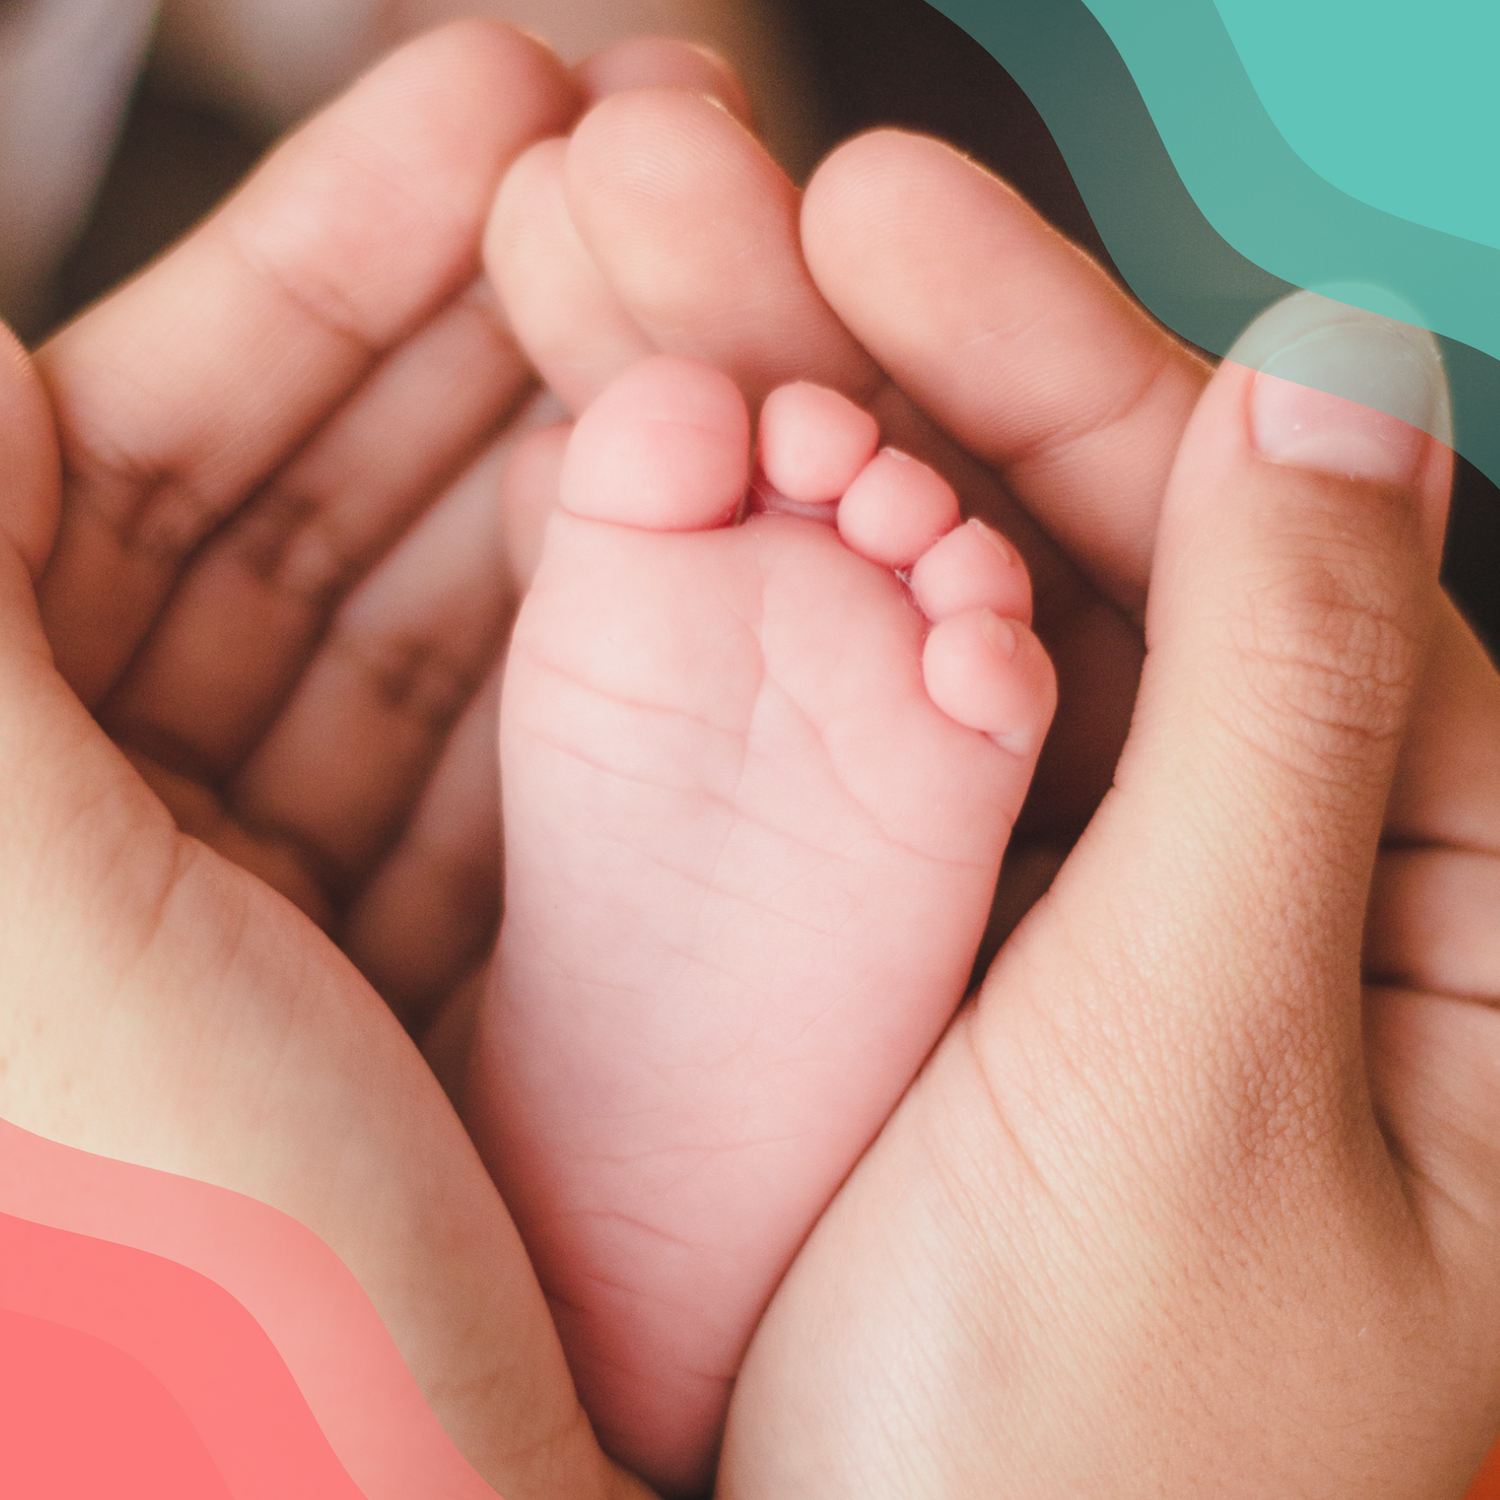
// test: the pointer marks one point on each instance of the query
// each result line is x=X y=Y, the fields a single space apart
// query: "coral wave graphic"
x=255 y=1363
x=80 y=1418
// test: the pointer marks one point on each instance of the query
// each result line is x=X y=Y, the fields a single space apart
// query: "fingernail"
x=1000 y=634
x=1342 y=390
x=998 y=542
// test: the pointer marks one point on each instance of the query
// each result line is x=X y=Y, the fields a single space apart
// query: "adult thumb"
x=1294 y=583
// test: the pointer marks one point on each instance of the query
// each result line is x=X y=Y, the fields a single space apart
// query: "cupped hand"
x=1199 y=1196
x=277 y=581
x=253 y=595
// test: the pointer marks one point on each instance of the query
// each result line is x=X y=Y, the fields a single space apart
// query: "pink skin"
x=756 y=792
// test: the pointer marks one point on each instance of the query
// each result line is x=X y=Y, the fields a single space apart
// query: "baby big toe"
x=991 y=674
x=665 y=447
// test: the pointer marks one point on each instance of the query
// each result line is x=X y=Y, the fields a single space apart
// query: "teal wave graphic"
x=1393 y=103
x=1208 y=213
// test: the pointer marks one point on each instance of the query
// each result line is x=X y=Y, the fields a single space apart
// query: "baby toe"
x=813 y=441
x=992 y=674
x=895 y=509
x=665 y=447
x=972 y=567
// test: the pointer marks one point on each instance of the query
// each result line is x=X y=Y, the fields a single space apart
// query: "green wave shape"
x=1208 y=213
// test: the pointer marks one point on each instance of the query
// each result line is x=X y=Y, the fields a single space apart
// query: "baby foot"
x=757 y=782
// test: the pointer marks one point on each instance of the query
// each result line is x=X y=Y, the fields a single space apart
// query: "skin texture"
x=737 y=916
x=1199 y=1195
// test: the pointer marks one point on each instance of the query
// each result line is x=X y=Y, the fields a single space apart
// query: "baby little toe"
x=992 y=674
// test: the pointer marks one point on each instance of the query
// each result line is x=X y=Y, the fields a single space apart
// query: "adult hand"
x=270 y=571
x=1198 y=1196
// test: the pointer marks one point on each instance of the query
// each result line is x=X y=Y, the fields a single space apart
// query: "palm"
x=303 y=687
x=278 y=582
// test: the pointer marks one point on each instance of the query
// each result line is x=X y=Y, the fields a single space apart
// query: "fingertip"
x=523 y=205
x=696 y=228
x=1342 y=391
x=869 y=176
x=1292 y=601
x=558 y=303
x=499 y=61
x=666 y=62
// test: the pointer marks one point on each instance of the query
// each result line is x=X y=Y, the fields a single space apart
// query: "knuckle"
x=171 y=520
x=1325 y=661
x=288 y=542
x=150 y=506
x=314 y=276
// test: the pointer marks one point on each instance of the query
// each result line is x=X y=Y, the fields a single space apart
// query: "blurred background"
x=222 y=82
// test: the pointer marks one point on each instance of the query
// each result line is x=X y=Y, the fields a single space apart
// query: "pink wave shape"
x=79 y=1418
x=242 y=1328
x=164 y=1339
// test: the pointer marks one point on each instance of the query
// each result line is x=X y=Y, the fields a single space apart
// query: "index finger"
x=177 y=396
x=1019 y=344
x=1025 y=351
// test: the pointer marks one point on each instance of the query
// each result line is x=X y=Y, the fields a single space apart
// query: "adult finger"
x=237 y=633
x=1141 y=1185
x=160 y=1006
x=695 y=228
x=346 y=759
x=1011 y=338
x=1075 y=396
x=666 y=62
x=1293 y=595
x=1431 y=923
x=569 y=319
x=1448 y=783
x=428 y=916
x=28 y=459
x=179 y=395
x=566 y=313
